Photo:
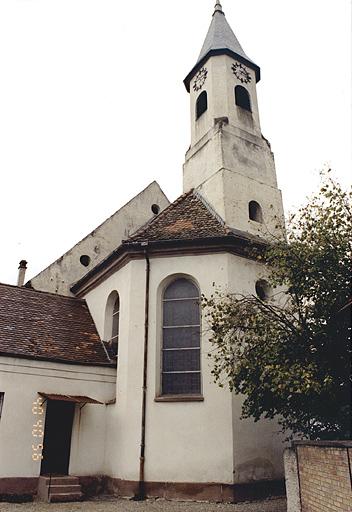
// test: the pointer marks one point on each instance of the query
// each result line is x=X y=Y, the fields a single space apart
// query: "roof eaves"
x=29 y=289
x=95 y=270
x=221 y=51
x=139 y=247
x=56 y=360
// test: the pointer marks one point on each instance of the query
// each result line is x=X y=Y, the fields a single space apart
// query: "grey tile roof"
x=221 y=36
x=220 y=39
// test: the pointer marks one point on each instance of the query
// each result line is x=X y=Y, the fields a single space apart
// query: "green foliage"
x=290 y=354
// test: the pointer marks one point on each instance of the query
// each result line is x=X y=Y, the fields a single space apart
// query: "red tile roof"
x=45 y=326
x=189 y=217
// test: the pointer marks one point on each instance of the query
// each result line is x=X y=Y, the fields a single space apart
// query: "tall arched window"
x=112 y=323
x=242 y=98
x=181 y=339
x=255 y=211
x=202 y=104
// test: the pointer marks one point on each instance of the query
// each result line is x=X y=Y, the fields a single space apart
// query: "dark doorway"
x=57 y=437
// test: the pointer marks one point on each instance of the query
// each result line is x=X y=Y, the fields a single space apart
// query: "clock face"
x=200 y=79
x=241 y=73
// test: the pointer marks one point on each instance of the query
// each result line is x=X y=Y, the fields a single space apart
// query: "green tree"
x=289 y=352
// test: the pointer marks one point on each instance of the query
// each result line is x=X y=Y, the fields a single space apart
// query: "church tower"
x=229 y=161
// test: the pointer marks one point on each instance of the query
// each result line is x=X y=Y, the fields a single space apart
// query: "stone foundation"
x=25 y=489
x=18 y=490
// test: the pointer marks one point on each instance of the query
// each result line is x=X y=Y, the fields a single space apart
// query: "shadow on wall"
x=254 y=470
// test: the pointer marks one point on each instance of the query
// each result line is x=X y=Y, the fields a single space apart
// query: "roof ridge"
x=211 y=210
x=159 y=216
x=29 y=289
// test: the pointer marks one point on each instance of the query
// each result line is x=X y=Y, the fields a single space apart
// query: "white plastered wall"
x=185 y=441
x=230 y=193
x=20 y=380
x=258 y=447
x=123 y=428
x=60 y=275
x=220 y=87
x=180 y=437
x=229 y=162
x=192 y=441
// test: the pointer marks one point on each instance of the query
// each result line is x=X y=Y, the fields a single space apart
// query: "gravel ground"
x=111 y=505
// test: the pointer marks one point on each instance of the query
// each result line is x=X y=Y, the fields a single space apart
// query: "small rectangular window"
x=1 y=402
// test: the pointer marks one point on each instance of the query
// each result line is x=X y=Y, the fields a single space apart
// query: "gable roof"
x=50 y=327
x=220 y=40
x=60 y=274
x=189 y=217
x=188 y=224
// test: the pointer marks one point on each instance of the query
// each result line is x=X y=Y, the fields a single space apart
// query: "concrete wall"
x=21 y=380
x=61 y=274
x=185 y=441
x=323 y=470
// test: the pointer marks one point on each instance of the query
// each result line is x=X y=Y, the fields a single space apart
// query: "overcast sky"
x=93 y=108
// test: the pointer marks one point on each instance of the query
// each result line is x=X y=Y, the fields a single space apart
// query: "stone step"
x=60 y=480
x=59 y=489
x=65 y=497
x=63 y=488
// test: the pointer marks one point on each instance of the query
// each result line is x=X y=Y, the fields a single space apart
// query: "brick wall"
x=324 y=472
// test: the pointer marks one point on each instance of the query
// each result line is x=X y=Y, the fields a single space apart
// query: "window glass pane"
x=181 y=383
x=114 y=347
x=181 y=360
x=115 y=325
x=181 y=312
x=116 y=306
x=181 y=337
x=181 y=289
x=1 y=402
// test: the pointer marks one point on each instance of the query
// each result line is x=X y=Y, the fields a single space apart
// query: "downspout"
x=141 y=484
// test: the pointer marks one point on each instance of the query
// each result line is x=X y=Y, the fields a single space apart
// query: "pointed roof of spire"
x=221 y=40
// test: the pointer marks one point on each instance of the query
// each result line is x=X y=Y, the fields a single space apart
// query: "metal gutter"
x=236 y=242
x=141 y=484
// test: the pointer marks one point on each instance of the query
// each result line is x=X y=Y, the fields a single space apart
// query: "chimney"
x=21 y=272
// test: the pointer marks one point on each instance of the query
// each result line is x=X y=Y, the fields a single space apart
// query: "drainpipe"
x=141 y=484
x=21 y=272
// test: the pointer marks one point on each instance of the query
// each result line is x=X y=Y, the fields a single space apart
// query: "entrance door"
x=57 y=437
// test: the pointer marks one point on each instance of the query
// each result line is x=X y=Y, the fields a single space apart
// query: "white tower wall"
x=229 y=161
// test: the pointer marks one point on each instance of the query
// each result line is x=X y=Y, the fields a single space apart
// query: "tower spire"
x=218 y=8
x=221 y=40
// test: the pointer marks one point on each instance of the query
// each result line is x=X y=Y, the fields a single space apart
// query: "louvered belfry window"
x=181 y=339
